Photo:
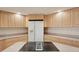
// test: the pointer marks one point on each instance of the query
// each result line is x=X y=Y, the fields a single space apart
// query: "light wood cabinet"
x=8 y=19
x=45 y=21
x=57 y=20
x=26 y=21
x=75 y=17
x=3 y=19
x=53 y=20
x=66 y=18
x=2 y=46
x=48 y=20
x=5 y=43
x=55 y=23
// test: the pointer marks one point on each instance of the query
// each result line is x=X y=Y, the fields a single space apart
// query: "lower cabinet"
x=5 y=43
x=72 y=42
x=2 y=45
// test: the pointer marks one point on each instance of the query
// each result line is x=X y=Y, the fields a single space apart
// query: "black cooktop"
x=47 y=46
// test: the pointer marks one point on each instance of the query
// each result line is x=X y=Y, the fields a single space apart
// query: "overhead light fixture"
x=59 y=12
x=18 y=14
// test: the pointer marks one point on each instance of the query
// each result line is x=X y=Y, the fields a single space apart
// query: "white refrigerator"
x=36 y=33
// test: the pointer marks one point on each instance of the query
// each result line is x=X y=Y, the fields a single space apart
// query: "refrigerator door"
x=31 y=32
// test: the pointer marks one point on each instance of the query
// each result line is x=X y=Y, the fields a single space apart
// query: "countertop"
x=66 y=35
x=10 y=36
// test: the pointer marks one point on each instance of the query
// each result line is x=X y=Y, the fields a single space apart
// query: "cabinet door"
x=49 y=20
x=45 y=21
x=75 y=17
x=11 y=20
x=1 y=45
x=26 y=21
x=20 y=21
x=66 y=18
x=57 y=20
x=4 y=19
x=0 y=18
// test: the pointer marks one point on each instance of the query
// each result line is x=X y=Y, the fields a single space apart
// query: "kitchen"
x=60 y=27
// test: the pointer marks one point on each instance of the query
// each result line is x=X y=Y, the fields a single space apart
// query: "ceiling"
x=34 y=10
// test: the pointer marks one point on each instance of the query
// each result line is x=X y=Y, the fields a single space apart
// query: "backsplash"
x=67 y=31
x=13 y=30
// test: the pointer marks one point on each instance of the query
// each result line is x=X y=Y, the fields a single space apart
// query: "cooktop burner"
x=46 y=46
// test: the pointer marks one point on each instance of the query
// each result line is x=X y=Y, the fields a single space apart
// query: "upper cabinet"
x=45 y=21
x=48 y=20
x=66 y=18
x=3 y=19
x=57 y=20
x=8 y=19
x=27 y=19
x=75 y=17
